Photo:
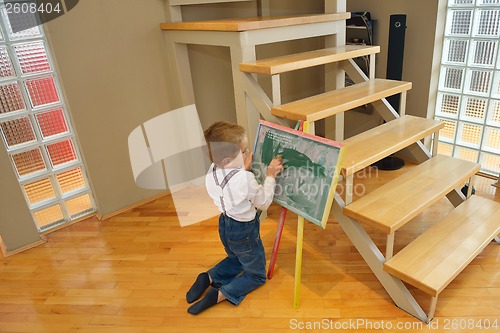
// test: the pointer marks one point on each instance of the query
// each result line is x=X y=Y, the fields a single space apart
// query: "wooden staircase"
x=437 y=256
x=394 y=204
x=431 y=261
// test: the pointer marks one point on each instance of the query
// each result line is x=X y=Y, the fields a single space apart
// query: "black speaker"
x=395 y=53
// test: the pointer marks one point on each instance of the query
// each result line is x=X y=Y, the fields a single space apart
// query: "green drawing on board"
x=291 y=157
x=311 y=169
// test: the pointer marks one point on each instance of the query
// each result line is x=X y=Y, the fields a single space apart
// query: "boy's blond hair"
x=223 y=139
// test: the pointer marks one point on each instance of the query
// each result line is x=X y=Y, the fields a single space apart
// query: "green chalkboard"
x=312 y=168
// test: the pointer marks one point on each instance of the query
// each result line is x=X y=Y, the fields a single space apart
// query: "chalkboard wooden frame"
x=312 y=168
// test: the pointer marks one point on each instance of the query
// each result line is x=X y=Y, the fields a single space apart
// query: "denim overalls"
x=244 y=269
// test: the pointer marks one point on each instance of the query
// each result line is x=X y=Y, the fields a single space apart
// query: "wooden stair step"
x=395 y=203
x=373 y=145
x=253 y=23
x=340 y=100
x=437 y=256
x=297 y=61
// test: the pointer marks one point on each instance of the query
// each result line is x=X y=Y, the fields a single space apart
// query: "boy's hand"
x=248 y=161
x=275 y=167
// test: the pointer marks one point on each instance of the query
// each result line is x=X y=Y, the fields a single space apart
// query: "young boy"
x=236 y=193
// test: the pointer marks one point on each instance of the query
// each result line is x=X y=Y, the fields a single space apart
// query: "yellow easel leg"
x=305 y=127
x=298 y=261
x=300 y=241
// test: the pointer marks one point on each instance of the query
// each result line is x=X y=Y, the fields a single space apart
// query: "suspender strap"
x=226 y=178
x=215 y=176
x=223 y=184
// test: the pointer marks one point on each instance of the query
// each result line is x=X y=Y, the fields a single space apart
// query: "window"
x=469 y=84
x=35 y=130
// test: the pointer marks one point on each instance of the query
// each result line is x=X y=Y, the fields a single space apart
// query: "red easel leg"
x=277 y=240
x=299 y=126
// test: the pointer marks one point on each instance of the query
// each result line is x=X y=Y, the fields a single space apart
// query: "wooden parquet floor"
x=130 y=273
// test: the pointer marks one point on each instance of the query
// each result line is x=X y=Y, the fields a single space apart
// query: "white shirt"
x=242 y=195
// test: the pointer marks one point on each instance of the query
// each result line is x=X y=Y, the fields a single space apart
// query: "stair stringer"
x=261 y=101
x=375 y=260
x=417 y=151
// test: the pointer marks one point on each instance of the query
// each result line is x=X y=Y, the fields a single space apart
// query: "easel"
x=301 y=126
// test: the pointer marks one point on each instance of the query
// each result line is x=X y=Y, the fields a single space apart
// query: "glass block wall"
x=36 y=131
x=469 y=85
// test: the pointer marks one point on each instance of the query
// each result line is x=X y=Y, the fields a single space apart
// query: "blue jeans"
x=244 y=269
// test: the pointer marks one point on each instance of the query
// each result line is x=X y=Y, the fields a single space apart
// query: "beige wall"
x=211 y=65
x=112 y=65
x=418 y=53
x=17 y=228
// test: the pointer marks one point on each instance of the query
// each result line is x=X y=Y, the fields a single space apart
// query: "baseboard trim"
x=7 y=253
x=99 y=216
x=131 y=206
x=69 y=223
x=486 y=175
